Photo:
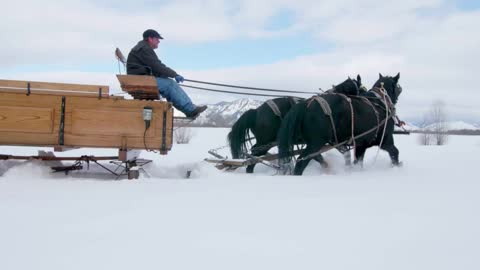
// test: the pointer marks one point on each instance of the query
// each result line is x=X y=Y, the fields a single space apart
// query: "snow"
x=423 y=215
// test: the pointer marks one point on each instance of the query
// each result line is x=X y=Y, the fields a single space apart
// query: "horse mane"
x=349 y=87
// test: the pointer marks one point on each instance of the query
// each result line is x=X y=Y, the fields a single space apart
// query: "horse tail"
x=289 y=132
x=237 y=137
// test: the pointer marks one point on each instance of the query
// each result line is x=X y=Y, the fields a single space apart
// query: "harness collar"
x=382 y=95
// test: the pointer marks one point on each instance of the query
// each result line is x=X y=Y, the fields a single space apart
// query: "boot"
x=198 y=110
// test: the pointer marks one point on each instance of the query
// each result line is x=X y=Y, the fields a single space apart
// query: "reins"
x=242 y=87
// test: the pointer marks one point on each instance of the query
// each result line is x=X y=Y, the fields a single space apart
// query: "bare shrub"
x=425 y=138
x=436 y=133
x=439 y=117
x=182 y=135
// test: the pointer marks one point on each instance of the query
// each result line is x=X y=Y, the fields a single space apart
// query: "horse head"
x=391 y=86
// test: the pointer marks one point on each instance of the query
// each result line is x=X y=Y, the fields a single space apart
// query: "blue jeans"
x=172 y=91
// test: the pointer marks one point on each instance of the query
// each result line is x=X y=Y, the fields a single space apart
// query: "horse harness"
x=376 y=128
x=379 y=93
x=276 y=110
x=327 y=110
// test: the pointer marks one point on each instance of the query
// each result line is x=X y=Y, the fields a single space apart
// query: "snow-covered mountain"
x=455 y=125
x=224 y=114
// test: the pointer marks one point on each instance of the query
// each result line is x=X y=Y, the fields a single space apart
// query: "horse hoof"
x=399 y=164
x=285 y=169
x=355 y=168
x=357 y=165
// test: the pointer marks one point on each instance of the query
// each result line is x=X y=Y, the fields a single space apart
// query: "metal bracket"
x=164 y=133
x=61 y=131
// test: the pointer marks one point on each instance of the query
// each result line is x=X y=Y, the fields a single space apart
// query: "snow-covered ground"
x=424 y=215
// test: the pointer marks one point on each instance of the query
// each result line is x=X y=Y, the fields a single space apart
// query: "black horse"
x=264 y=122
x=307 y=120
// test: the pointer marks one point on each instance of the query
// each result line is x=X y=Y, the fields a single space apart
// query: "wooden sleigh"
x=67 y=116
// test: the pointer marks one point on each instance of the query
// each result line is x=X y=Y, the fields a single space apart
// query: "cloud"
x=86 y=31
x=81 y=31
x=437 y=58
x=433 y=44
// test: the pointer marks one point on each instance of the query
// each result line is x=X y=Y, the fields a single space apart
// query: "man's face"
x=153 y=42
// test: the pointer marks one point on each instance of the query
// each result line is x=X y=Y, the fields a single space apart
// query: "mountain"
x=224 y=114
x=452 y=128
x=456 y=125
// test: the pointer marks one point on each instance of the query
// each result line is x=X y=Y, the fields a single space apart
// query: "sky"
x=300 y=45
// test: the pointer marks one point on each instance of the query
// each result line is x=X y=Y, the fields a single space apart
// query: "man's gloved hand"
x=179 y=79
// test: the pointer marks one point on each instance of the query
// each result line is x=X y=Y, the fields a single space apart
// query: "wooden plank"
x=110 y=122
x=28 y=139
x=120 y=56
x=92 y=122
x=55 y=86
x=143 y=80
x=119 y=142
x=89 y=122
x=139 y=86
x=60 y=148
x=265 y=159
x=53 y=92
x=32 y=102
x=229 y=162
x=55 y=158
x=52 y=88
x=26 y=119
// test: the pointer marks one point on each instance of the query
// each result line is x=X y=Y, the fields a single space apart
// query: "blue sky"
x=468 y=4
x=235 y=52
x=198 y=56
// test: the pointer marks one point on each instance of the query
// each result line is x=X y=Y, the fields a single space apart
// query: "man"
x=142 y=60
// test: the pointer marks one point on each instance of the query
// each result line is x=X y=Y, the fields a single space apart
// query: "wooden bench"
x=56 y=89
x=138 y=86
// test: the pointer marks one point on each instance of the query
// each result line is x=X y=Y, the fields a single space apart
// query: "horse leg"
x=348 y=158
x=359 y=154
x=346 y=154
x=322 y=161
x=251 y=167
x=263 y=150
x=302 y=164
x=393 y=152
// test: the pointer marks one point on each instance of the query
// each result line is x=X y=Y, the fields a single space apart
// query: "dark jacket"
x=142 y=60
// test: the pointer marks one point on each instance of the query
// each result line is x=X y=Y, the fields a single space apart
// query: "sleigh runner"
x=269 y=160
